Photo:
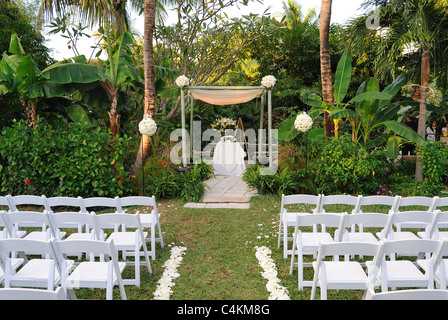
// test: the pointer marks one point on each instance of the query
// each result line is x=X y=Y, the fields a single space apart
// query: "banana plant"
x=341 y=84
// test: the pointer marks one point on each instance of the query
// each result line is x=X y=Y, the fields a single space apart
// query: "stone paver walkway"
x=225 y=192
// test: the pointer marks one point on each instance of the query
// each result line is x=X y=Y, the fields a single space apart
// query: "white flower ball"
x=182 y=81
x=147 y=127
x=303 y=122
x=268 y=81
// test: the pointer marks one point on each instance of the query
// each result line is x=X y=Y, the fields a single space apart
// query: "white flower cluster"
x=165 y=284
x=182 y=81
x=268 y=81
x=223 y=123
x=277 y=292
x=303 y=122
x=147 y=127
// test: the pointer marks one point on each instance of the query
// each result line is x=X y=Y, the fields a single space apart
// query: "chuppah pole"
x=184 y=136
x=270 y=126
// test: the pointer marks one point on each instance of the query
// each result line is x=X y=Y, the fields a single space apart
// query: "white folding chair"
x=409 y=294
x=35 y=272
x=288 y=219
x=77 y=225
x=17 y=220
x=356 y=224
x=403 y=273
x=406 y=220
x=149 y=221
x=341 y=275
x=389 y=203
x=307 y=243
x=129 y=243
x=339 y=199
x=31 y=294
x=102 y=270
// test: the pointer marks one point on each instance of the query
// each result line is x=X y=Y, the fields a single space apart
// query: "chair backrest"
x=336 y=220
x=347 y=249
x=26 y=219
x=115 y=220
x=340 y=199
x=313 y=200
x=408 y=294
x=369 y=220
x=19 y=200
x=76 y=220
x=388 y=201
x=93 y=248
x=32 y=294
x=428 y=202
x=135 y=201
x=97 y=202
x=423 y=218
x=53 y=202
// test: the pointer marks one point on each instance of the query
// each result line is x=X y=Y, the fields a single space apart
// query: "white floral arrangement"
x=277 y=292
x=147 y=127
x=303 y=122
x=165 y=284
x=268 y=81
x=182 y=81
x=224 y=123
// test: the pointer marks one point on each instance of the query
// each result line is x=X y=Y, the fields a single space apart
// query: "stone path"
x=225 y=192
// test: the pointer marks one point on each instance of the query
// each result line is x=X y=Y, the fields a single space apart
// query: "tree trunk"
x=325 y=63
x=150 y=94
x=30 y=111
x=422 y=116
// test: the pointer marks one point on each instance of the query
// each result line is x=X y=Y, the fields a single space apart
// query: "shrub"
x=344 y=167
x=68 y=159
x=434 y=157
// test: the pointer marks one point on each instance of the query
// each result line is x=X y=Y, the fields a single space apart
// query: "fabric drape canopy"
x=225 y=97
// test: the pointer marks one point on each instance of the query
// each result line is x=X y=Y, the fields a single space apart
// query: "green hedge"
x=68 y=159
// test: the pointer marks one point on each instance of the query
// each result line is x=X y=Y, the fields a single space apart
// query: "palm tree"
x=325 y=62
x=409 y=29
x=293 y=16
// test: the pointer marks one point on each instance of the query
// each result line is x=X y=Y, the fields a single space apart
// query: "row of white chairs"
x=382 y=269
x=124 y=230
x=85 y=205
x=45 y=266
x=360 y=204
x=313 y=229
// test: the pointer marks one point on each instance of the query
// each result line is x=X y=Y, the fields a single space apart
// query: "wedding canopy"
x=225 y=95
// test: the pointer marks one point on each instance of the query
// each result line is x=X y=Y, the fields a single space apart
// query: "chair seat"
x=399 y=272
x=91 y=275
x=124 y=240
x=311 y=240
x=360 y=237
x=40 y=235
x=345 y=275
x=35 y=274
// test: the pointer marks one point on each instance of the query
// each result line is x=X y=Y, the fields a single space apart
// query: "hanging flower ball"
x=147 y=127
x=182 y=81
x=303 y=122
x=268 y=81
